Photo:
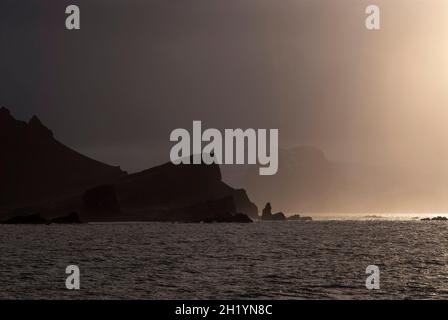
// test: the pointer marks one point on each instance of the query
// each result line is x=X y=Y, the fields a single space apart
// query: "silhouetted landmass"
x=167 y=193
x=269 y=216
x=298 y=217
x=36 y=168
x=72 y=218
x=435 y=219
x=36 y=218
x=39 y=175
x=237 y=218
x=163 y=192
x=31 y=219
x=221 y=210
x=100 y=203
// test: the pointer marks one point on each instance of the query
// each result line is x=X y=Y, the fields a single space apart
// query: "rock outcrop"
x=30 y=219
x=170 y=187
x=35 y=168
x=268 y=216
x=100 y=204
x=220 y=210
x=182 y=193
x=36 y=218
x=298 y=217
x=72 y=218
x=39 y=175
x=439 y=218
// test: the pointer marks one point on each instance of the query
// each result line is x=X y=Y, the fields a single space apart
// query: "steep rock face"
x=220 y=210
x=269 y=216
x=101 y=203
x=184 y=193
x=38 y=174
x=172 y=186
x=244 y=204
x=36 y=168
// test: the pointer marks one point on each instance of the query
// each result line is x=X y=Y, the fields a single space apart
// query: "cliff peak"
x=37 y=125
x=5 y=113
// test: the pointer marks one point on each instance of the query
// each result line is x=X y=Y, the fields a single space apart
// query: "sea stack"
x=268 y=216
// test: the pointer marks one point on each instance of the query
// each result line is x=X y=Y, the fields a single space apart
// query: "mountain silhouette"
x=39 y=175
x=308 y=182
x=305 y=181
x=35 y=167
x=188 y=193
x=170 y=186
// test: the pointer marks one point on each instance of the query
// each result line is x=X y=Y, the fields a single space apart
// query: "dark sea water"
x=272 y=260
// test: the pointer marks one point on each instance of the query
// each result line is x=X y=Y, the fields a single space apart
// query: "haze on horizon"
x=137 y=70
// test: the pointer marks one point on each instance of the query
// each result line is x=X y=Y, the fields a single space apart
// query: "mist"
x=139 y=69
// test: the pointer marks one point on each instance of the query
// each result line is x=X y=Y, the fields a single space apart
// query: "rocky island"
x=298 y=217
x=267 y=214
x=54 y=181
x=439 y=218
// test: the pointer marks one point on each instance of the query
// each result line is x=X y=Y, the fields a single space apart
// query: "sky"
x=138 y=69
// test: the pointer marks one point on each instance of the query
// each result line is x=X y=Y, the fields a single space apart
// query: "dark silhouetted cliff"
x=35 y=167
x=38 y=174
x=186 y=193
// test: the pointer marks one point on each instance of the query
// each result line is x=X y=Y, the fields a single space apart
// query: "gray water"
x=274 y=260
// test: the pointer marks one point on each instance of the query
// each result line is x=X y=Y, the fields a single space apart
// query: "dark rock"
x=31 y=219
x=220 y=210
x=101 y=203
x=26 y=211
x=298 y=217
x=4 y=114
x=439 y=218
x=36 y=126
x=279 y=216
x=237 y=218
x=187 y=193
x=72 y=218
x=268 y=216
x=267 y=212
x=169 y=187
x=244 y=204
x=36 y=169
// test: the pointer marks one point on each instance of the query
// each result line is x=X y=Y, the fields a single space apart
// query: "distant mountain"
x=35 y=167
x=305 y=181
x=39 y=175
x=308 y=182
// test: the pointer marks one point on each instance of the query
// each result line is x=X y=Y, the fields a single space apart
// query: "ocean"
x=264 y=260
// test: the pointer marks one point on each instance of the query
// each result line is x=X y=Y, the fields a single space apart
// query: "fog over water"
x=115 y=89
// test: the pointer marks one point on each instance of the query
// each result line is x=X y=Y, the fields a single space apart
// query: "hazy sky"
x=138 y=69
